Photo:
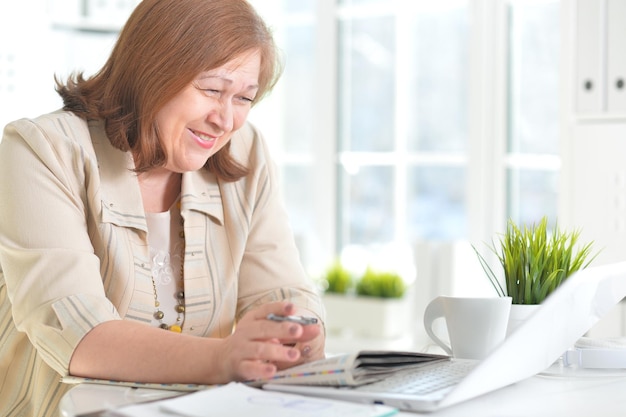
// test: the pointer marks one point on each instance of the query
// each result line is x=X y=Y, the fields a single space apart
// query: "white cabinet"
x=589 y=57
x=593 y=125
x=616 y=57
x=594 y=133
x=600 y=58
x=598 y=183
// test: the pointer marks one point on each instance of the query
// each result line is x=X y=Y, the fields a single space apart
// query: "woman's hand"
x=311 y=345
x=259 y=347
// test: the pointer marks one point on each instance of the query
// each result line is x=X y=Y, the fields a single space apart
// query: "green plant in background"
x=535 y=262
x=380 y=284
x=338 y=279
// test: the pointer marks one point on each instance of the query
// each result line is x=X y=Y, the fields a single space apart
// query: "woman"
x=141 y=233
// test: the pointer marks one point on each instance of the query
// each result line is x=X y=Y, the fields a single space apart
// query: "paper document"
x=236 y=400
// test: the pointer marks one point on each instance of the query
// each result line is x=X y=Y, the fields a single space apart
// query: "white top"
x=166 y=254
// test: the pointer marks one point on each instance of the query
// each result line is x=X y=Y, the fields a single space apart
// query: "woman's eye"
x=207 y=90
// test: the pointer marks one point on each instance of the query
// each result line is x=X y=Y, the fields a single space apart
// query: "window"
x=403 y=131
x=406 y=85
x=533 y=160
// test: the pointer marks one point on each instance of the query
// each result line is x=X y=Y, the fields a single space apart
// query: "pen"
x=295 y=319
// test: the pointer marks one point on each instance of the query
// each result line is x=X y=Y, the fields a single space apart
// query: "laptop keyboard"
x=423 y=380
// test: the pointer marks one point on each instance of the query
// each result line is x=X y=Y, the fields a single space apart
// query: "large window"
x=405 y=79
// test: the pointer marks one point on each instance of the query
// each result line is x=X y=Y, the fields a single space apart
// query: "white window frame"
x=487 y=160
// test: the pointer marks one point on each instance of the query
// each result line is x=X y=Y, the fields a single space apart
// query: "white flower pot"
x=366 y=316
x=519 y=313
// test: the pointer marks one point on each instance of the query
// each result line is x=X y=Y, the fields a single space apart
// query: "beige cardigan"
x=74 y=252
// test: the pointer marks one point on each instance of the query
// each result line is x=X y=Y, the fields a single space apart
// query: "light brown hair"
x=163 y=46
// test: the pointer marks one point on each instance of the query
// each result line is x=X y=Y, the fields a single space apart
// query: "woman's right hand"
x=257 y=344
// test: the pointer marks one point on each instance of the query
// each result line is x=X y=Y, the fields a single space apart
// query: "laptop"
x=565 y=316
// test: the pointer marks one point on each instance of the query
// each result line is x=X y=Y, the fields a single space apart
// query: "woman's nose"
x=222 y=117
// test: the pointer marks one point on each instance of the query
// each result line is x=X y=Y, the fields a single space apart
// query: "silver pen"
x=294 y=319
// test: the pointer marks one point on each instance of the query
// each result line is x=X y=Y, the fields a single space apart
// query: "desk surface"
x=554 y=393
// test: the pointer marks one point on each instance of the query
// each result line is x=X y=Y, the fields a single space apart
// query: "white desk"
x=555 y=393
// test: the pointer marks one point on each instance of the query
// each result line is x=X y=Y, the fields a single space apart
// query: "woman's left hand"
x=311 y=345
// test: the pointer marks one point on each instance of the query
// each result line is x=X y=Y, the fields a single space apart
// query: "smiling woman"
x=199 y=121
x=162 y=211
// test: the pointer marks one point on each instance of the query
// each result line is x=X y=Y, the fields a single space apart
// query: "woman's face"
x=201 y=119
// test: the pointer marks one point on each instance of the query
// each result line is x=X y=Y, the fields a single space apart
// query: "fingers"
x=258 y=327
x=257 y=360
x=259 y=346
x=265 y=330
x=309 y=351
x=282 y=308
x=255 y=370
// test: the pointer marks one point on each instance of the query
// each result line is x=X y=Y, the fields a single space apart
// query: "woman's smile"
x=203 y=139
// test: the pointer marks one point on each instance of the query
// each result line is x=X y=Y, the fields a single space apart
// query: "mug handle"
x=434 y=310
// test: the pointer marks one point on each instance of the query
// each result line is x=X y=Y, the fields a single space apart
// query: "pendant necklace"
x=179 y=295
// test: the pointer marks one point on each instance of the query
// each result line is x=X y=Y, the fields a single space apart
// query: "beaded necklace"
x=179 y=295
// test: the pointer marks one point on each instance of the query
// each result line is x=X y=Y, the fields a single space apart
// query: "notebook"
x=565 y=316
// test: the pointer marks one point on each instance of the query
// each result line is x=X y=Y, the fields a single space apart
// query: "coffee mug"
x=475 y=325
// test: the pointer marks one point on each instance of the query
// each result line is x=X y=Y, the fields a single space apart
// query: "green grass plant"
x=338 y=279
x=536 y=261
x=380 y=284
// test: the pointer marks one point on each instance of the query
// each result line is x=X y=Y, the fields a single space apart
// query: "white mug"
x=475 y=325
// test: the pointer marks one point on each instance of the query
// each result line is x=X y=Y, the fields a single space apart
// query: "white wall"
x=27 y=57
x=41 y=38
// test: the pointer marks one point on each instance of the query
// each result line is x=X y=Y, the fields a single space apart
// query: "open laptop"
x=565 y=316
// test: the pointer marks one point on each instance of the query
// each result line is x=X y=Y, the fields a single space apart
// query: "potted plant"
x=371 y=305
x=380 y=284
x=338 y=280
x=535 y=262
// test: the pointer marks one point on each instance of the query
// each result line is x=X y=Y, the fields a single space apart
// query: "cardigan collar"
x=121 y=195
